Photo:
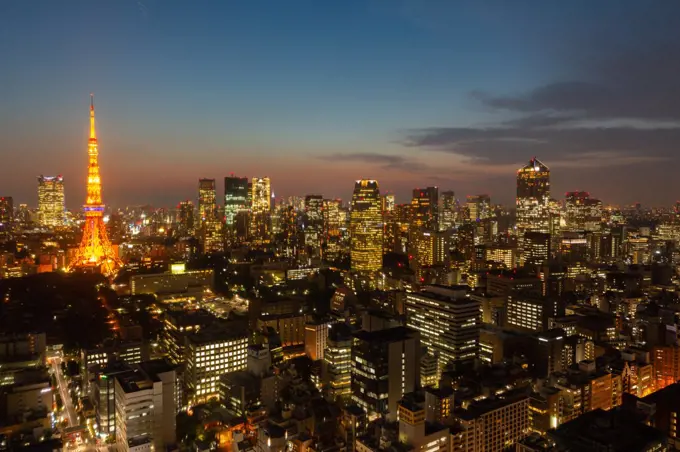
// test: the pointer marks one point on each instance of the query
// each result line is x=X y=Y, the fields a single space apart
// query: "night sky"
x=318 y=93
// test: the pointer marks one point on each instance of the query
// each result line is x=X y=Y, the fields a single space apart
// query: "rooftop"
x=555 y=333
x=482 y=407
x=535 y=165
x=183 y=317
x=398 y=333
x=155 y=367
x=615 y=430
x=223 y=331
x=134 y=380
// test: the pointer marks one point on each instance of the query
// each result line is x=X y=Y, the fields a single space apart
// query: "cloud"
x=144 y=11
x=506 y=144
x=637 y=83
x=625 y=111
x=385 y=161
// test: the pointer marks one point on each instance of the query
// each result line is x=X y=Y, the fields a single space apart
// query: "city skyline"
x=262 y=99
x=192 y=271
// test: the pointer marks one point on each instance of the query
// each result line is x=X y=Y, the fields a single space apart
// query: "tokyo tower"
x=95 y=252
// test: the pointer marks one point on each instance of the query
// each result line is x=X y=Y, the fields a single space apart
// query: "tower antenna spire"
x=93 y=132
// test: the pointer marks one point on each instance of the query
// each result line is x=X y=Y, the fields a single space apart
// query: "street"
x=63 y=392
x=72 y=418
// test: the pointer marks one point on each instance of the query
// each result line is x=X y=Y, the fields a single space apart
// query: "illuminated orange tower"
x=95 y=252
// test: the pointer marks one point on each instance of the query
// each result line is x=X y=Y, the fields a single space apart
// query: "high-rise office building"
x=448 y=209
x=493 y=425
x=478 y=207
x=385 y=366
x=338 y=361
x=546 y=352
x=6 y=215
x=261 y=198
x=331 y=217
x=211 y=223
x=210 y=353
x=213 y=236
x=533 y=198
x=388 y=202
x=185 y=218
x=366 y=227
x=145 y=406
x=51 y=208
x=448 y=321
x=430 y=248
x=333 y=228
x=235 y=198
x=583 y=212
x=287 y=234
x=316 y=336
x=556 y=220
x=528 y=311
x=24 y=216
x=313 y=223
x=207 y=201
x=426 y=207
x=536 y=248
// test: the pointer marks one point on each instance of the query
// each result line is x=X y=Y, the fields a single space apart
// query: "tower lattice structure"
x=95 y=251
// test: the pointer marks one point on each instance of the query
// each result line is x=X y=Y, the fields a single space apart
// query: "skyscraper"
x=338 y=361
x=207 y=199
x=331 y=217
x=366 y=227
x=426 y=207
x=447 y=210
x=479 y=207
x=6 y=215
x=95 y=251
x=429 y=248
x=583 y=212
x=448 y=321
x=51 y=201
x=385 y=366
x=211 y=223
x=260 y=209
x=332 y=225
x=313 y=222
x=235 y=197
x=533 y=198
x=388 y=203
x=185 y=220
x=536 y=248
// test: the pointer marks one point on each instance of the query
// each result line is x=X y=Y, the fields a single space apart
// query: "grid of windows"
x=448 y=324
x=207 y=361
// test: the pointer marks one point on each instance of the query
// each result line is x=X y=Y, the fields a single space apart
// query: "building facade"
x=533 y=198
x=6 y=216
x=51 y=207
x=366 y=227
x=235 y=198
x=261 y=198
x=210 y=353
x=385 y=366
x=448 y=321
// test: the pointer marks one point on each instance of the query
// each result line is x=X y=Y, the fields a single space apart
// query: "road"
x=71 y=417
x=63 y=392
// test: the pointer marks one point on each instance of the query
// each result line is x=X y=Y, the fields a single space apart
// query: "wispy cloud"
x=142 y=8
x=385 y=161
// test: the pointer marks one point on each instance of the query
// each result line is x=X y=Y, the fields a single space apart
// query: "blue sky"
x=313 y=94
